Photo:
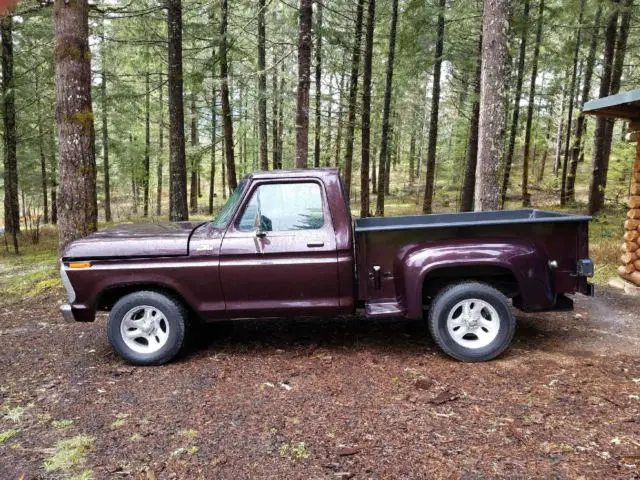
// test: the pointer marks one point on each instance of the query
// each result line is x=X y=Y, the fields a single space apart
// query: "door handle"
x=315 y=244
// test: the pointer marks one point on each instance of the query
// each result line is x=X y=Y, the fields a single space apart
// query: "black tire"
x=173 y=323
x=464 y=349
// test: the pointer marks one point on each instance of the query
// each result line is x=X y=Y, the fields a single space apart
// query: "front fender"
x=523 y=259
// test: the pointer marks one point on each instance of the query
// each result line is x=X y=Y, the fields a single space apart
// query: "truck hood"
x=134 y=240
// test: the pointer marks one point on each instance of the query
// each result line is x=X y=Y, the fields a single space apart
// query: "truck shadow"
x=236 y=336
x=386 y=335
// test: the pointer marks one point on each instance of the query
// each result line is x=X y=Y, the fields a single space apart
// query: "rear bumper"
x=77 y=313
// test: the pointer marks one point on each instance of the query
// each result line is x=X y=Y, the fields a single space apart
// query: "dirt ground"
x=335 y=398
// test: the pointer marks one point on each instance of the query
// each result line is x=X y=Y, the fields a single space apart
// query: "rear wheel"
x=471 y=322
x=147 y=328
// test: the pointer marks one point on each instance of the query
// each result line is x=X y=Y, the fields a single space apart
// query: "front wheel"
x=471 y=322
x=147 y=328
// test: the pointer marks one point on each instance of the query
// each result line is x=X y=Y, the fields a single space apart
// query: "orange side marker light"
x=80 y=265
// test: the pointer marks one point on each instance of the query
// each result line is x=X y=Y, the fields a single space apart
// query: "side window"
x=284 y=206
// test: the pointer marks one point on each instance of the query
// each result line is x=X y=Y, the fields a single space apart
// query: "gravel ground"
x=333 y=398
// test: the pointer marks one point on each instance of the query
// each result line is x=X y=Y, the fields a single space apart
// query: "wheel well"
x=500 y=278
x=110 y=296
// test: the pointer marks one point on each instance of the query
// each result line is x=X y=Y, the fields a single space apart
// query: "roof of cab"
x=303 y=172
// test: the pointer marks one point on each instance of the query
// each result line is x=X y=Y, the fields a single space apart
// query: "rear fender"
x=526 y=263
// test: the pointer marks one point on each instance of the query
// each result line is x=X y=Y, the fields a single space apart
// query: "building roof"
x=624 y=105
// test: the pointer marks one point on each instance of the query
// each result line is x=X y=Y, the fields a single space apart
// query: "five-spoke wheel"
x=147 y=328
x=471 y=321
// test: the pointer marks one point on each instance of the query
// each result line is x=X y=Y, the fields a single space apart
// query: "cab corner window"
x=284 y=206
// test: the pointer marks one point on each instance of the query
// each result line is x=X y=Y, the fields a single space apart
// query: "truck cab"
x=285 y=244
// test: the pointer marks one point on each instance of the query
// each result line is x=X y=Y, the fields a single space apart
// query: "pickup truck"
x=285 y=245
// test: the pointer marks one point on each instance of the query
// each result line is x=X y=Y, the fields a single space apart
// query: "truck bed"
x=382 y=246
x=443 y=220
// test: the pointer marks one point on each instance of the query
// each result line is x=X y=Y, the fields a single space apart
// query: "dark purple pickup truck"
x=285 y=245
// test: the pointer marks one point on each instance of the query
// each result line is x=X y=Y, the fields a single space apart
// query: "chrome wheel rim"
x=144 y=329
x=473 y=323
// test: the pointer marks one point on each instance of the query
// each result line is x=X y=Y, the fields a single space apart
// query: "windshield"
x=224 y=215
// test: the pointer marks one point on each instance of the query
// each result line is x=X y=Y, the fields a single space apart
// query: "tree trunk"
x=366 y=104
x=572 y=91
x=160 y=151
x=212 y=175
x=304 y=82
x=599 y=167
x=491 y=125
x=423 y=125
x=318 y=85
x=78 y=204
x=227 y=119
x=53 y=166
x=193 y=193
x=383 y=173
x=526 y=198
x=616 y=75
x=427 y=204
x=43 y=157
x=339 y=121
x=281 y=115
x=105 y=126
x=559 y=133
x=516 y=105
x=353 y=95
x=147 y=144
x=11 y=202
x=262 y=88
x=177 y=156
x=580 y=120
x=275 y=95
x=471 y=162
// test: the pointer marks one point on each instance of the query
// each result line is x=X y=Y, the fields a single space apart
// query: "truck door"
x=278 y=257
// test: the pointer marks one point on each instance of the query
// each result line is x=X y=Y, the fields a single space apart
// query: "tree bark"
x=304 y=82
x=516 y=105
x=147 y=144
x=366 y=105
x=53 y=166
x=160 y=151
x=616 y=75
x=275 y=95
x=526 y=198
x=471 y=162
x=227 y=119
x=77 y=204
x=193 y=193
x=599 y=167
x=105 y=127
x=318 y=85
x=43 y=157
x=177 y=156
x=572 y=91
x=11 y=201
x=212 y=175
x=262 y=88
x=580 y=120
x=492 y=122
x=384 y=138
x=353 y=95
x=339 y=120
x=427 y=204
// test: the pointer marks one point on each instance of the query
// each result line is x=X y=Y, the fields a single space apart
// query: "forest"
x=118 y=110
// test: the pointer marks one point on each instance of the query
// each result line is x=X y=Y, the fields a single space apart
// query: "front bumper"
x=67 y=313
x=77 y=313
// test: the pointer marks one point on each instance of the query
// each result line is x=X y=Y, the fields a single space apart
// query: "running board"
x=384 y=309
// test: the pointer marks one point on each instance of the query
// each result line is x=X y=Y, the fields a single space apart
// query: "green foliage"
x=69 y=454
x=62 y=423
x=6 y=435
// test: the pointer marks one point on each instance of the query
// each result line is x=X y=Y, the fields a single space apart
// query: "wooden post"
x=630 y=269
